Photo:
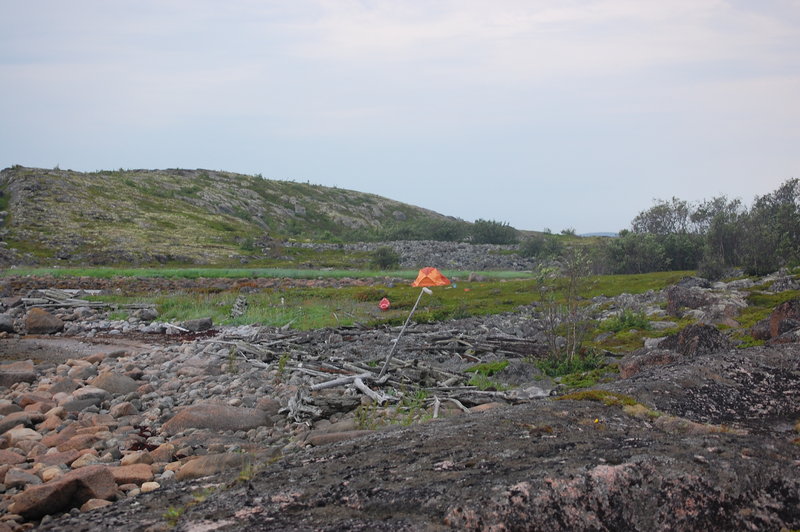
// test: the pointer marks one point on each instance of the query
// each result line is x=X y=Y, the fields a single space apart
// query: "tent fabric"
x=430 y=277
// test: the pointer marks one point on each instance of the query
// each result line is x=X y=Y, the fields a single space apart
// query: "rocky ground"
x=144 y=425
x=446 y=255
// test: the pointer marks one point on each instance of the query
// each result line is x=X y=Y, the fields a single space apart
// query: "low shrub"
x=557 y=366
x=385 y=258
x=627 y=320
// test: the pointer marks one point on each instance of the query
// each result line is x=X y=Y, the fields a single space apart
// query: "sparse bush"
x=385 y=258
x=557 y=366
x=566 y=322
x=711 y=268
x=247 y=244
x=541 y=246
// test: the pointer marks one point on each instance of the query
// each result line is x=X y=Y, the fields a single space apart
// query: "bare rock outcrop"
x=216 y=417
x=702 y=443
x=697 y=339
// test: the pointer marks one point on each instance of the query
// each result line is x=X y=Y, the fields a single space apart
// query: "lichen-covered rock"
x=39 y=321
x=697 y=339
x=199 y=324
x=679 y=297
x=114 y=383
x=632 y=364
x=216 y=417
x=785 y=318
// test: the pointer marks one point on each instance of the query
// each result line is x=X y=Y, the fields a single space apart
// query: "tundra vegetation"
x=200 y=217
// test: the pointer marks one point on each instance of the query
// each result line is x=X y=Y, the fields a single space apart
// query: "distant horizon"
x=540 y=114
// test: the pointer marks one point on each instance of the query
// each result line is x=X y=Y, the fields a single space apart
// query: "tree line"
x=712 y=236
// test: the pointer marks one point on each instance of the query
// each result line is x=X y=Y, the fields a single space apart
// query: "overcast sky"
x=541 y=113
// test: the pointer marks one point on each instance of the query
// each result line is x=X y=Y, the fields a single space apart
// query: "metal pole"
x=391 y=352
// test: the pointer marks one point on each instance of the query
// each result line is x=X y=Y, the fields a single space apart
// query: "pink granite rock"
x=69 y=491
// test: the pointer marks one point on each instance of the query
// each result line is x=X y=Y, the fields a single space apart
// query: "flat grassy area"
x=308 y=308
x=239 y=273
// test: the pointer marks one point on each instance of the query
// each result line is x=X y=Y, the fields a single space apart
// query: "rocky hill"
x=174 y=216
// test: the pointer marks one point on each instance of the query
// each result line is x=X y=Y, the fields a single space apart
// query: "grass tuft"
x=601 y=396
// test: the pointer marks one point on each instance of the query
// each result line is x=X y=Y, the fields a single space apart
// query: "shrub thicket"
x=493 y=232
x=712 y=236
x=541 y=246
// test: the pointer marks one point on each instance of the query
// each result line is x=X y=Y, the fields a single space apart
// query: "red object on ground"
x=384 y=304
x=430 y=277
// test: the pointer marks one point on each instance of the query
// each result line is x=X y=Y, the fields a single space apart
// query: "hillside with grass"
x=180 y=216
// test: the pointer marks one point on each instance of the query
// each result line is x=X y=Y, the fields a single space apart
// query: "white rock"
x=147 y=487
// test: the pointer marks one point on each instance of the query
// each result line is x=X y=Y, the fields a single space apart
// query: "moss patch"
x=488 y=369
x=601 y=396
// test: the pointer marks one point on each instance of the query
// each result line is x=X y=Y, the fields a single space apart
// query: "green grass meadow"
x=316 y=307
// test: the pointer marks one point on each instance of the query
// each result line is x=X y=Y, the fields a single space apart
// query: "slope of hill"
x=175 y=216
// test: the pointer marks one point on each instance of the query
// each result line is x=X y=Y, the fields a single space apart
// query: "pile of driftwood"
x=301 y=353
x=68 y=298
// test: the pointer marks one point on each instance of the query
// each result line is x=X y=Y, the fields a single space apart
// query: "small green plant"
x=557 y=366
x=627 y=320
x=172 y=515
x=247 y=472
x=366 y=417
x=414 y=407
x=642 y=412
x=282 y=361
x=487 y=369
x=584 y=379
x=600 y=396
x=482 y=382
x=749 y=341
x=118 y=315
x=201 y=495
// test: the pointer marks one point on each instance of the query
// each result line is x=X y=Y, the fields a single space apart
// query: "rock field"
x=143 y=425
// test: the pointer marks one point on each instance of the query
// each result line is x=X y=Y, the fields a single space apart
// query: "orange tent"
x=430 y=277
